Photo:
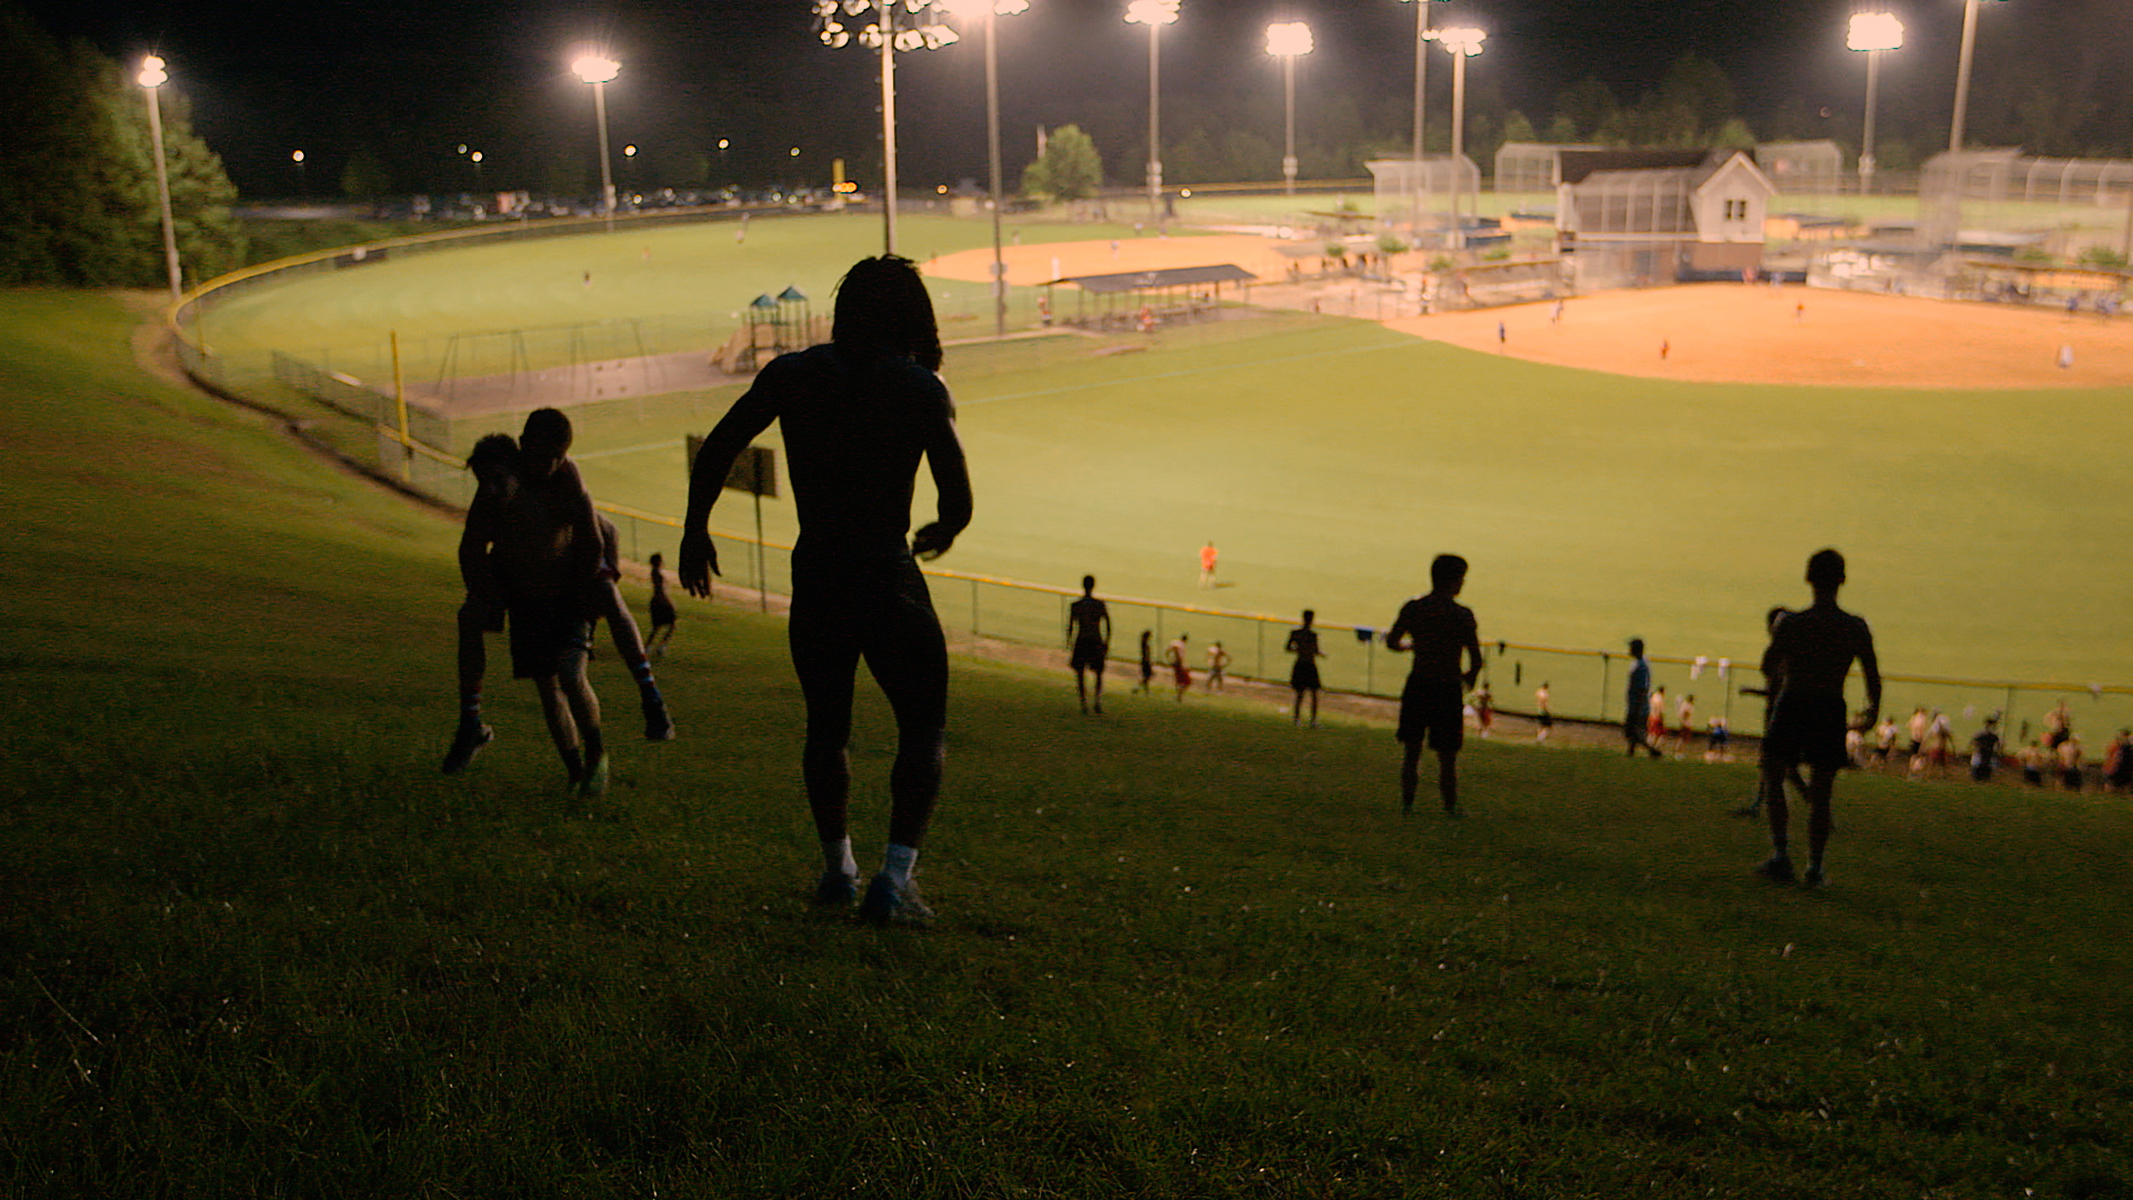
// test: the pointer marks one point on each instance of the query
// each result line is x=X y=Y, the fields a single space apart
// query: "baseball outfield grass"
x=1330 y=459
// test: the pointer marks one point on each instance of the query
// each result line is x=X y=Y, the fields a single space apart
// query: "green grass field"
x=1329 y=459
x=255 y=945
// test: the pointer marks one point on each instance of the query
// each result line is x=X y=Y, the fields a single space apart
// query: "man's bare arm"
x=749 y=416
x=474 y=542
x=951 y=480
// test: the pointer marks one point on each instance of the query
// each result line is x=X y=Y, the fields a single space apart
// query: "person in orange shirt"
x=1208 y=555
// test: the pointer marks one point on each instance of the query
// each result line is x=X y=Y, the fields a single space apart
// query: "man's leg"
x=909 y=659
x=1081 y=687
x=1448 y=781
x=1779 y=865
x=584 y=707
x=562 y=729
x=475 y=620
x=1098 y=685
x=629 y=647
x=1314 y=708
x=1821 y=785
x=1296 y=711
x=1410 y=772
x=825 y=662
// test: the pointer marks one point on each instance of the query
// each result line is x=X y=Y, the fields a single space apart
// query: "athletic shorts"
x=876 y=608
x=1089 y=655
x=1807 y=731
x=1304 y=677
x=549 y=638
x=1431 y=714
x=662 y=611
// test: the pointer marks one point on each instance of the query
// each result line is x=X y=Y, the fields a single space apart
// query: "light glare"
x=1286 y=39
x=1152 y=12
x=1875 y=31
x=152 y=73
x=596 y=68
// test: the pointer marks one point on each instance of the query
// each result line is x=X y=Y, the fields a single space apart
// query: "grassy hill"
x=251 y=943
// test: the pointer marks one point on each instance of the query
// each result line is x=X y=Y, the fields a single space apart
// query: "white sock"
x=898 y=862
x=837 y=858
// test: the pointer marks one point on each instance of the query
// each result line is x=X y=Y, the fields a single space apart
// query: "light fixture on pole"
x=1288 y=41
x=1962 y=75
x=1463 y=43
x=925 y=32
x=1872 y=34
x=599 y=70
x=152 y=77
x=1154 y=14
x=302 y=187
x=1421 y=98
x=990 y=11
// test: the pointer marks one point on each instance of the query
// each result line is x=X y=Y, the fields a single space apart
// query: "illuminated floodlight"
x=1287 y=39
x=978 y=10
x=897 y=25
x=1872 y=31
x=153 y=73
x=1462 y=42
x=1152 y=12
x=596 y=68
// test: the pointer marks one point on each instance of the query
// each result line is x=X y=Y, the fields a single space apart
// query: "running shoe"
x=836 y=889
x=658 y=727
x=472 y=736
x=1814 y=878
x=594 y=782
x=1777 y=869
x=886 y=904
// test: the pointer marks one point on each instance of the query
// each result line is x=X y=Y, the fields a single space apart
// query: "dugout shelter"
x=1129 y=299
x=1635 y=218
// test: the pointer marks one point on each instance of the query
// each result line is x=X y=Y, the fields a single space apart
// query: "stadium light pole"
x=1962 y=75
x=990 y=11
x=1154 y=14
x=1872 y=34
x=927 y=32
x=1463 y=43
x=1288 y=41
x=152 y=78
x=597 y=69
x=1421 y=100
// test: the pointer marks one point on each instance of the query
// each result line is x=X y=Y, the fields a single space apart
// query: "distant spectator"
x=1985 y=751
x=1147 y=659
x=1303 y=677
x=2118 y=762
x=2070 y=764
x=1637 y=702
x=2033 y=757
x=2058 y=725
x=1217 y=668
x=1543 y=719
x=1208 y=557
x=1180 y=665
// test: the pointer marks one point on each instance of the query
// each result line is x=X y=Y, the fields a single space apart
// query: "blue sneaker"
x=836 y=889
x=1777 y=869
x=886 y=904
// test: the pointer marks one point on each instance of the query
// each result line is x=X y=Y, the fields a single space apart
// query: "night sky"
x=413 y=79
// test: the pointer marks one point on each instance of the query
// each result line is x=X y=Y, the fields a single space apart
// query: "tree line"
x=77 y=172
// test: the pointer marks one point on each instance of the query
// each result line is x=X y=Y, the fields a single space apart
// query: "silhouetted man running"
x=858 y=415
x=1811 y=652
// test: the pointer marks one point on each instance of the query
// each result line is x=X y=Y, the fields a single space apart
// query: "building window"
x=1736 y=210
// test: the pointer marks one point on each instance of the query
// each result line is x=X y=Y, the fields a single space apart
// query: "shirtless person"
x=1439 y=630
x=495 y=461
x=859 y=415
x=1303 y=677
x=1811 y=652
x=1089 y=633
